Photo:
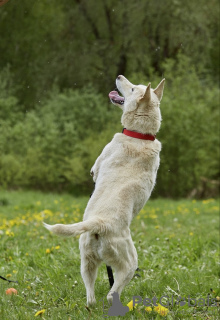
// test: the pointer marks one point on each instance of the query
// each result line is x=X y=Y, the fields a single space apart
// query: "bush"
x=189 y=131
x=54 y=146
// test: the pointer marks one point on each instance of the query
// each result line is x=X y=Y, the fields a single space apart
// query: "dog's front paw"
x=93 y=174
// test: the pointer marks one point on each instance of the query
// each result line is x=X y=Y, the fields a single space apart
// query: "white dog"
x=124 y=176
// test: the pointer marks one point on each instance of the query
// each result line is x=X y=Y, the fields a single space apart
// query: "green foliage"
x=189 y=131
x=54 y=146
x=75 y=42
x=9 y=106
x=58 y=63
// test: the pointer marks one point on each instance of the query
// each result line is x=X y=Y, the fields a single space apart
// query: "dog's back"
x=125 y=178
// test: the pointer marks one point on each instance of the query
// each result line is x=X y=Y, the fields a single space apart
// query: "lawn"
x=177 y=244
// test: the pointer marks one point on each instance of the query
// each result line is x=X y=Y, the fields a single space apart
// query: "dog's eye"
x=132 y=89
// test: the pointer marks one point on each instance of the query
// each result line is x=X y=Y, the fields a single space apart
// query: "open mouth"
x=116 y=98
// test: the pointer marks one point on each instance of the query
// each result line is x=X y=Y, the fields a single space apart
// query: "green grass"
x=176 y=241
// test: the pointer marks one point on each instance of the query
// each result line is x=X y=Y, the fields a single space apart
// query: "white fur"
x=125 y=175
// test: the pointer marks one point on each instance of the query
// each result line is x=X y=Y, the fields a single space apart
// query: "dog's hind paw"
x=91 y=302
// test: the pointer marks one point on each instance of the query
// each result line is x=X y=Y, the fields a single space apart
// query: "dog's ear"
x=147 y=96
x=159 y=89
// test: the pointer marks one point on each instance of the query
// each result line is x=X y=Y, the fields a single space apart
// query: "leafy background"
x=60 y=60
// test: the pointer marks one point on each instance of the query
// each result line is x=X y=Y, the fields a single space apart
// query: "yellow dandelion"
x=57 y=247
x=14 y=271
x=157 y=227
x=48 y=251
x=27 y=254
x=9 y=233
x=153 y=216
x=8 y=275
x=39 y=313
x=48 y=212
x=161 y=310
x=148 y=309
x=215 y=208
x=191 y=233
x=208 y=201
x=130 y=305
x=196 y=210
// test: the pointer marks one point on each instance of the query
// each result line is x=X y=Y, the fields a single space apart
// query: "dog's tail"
x=94 y=225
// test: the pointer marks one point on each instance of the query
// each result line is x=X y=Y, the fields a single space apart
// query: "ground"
x=177 y=244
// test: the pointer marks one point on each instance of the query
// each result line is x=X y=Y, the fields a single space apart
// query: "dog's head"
x=140 y=105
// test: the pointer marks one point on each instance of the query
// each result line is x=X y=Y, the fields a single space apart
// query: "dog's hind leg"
x=89 y=268
x=124 y=269
x=122 y=278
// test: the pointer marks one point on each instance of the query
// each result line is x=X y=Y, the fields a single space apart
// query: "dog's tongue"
x=113 y=95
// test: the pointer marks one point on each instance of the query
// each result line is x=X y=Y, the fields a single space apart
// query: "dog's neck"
x=138 y=135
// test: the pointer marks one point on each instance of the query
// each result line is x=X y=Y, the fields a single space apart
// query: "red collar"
x=138 y=135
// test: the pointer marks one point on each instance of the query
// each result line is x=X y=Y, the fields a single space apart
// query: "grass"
x=176 y=241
